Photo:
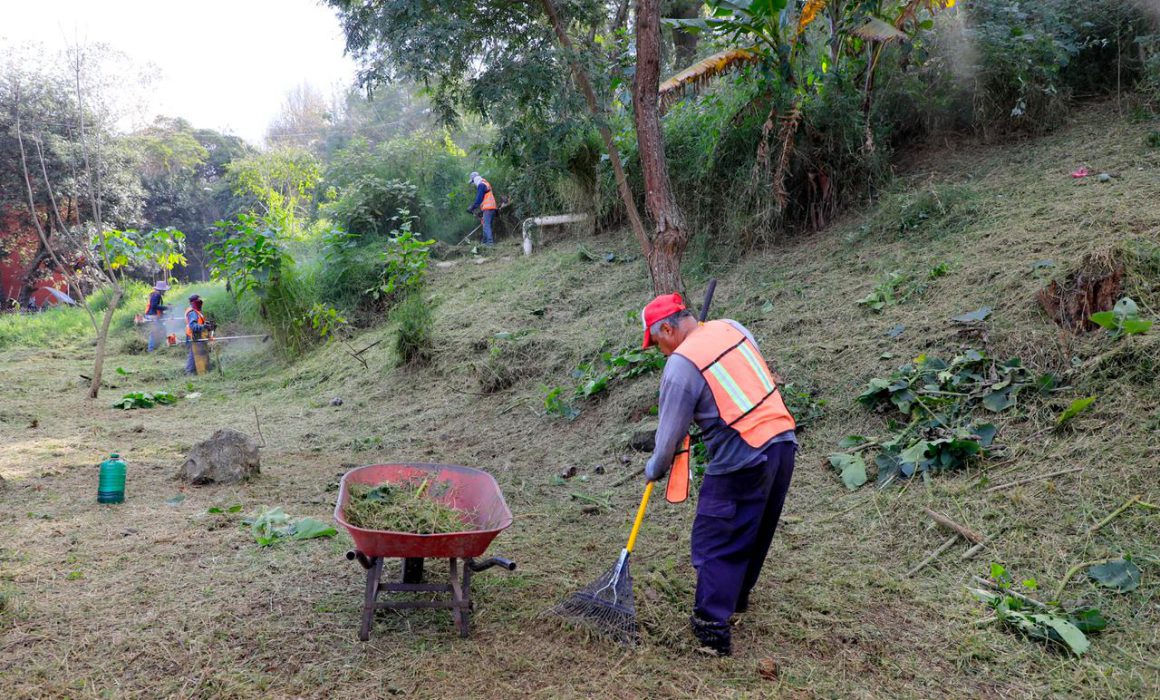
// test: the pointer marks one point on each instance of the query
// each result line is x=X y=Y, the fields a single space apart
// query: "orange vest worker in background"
x=485 y=205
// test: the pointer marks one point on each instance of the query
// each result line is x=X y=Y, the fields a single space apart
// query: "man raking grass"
x=717 y=378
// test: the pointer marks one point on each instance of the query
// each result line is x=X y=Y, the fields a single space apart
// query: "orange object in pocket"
x=677 y=490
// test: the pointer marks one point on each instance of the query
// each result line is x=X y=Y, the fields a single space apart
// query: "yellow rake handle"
x=639 y=517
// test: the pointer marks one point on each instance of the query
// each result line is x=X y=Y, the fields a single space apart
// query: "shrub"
x=349 y=266
x=248 y=255
x=424 y=173
x=404 y=263
x=413 y=341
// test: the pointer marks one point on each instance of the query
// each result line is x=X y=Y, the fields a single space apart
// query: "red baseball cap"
x=660 y=308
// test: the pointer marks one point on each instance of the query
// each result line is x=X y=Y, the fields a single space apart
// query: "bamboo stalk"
x=961 y=529
x=934 y=555
x=1115 y=514
x=1074 y=570
x=1029 y=479
x=973 y=550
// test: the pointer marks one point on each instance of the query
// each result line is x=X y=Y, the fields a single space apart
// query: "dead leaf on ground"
x=767 y=669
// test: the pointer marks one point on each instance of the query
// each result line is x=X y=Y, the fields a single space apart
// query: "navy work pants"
x=737 y=514
x=488 y=221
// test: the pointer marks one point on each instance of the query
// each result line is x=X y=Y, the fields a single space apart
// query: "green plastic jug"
x=111 y=485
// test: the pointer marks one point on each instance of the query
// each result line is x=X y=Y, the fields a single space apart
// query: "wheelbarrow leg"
x=413 y=570
x=461 y=598
x=373 y=574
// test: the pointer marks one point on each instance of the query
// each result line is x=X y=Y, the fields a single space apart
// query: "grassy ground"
x=152 y=599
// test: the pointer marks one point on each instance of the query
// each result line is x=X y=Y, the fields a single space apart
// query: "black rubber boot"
x=714 y=635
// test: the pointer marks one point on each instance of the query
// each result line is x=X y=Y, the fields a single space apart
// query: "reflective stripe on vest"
x=743 y=387
x=200 y=321
x=488 y=197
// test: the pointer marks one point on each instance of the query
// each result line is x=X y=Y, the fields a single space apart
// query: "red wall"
x=24 y=242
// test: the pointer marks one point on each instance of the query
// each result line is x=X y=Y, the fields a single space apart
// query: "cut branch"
x=1115 y=513
x=1030 y=479
x=933 y=555
x=962 y=530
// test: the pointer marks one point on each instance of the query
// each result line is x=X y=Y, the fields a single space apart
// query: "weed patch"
x=144 y=399
x=938 y=211
x=940 y=402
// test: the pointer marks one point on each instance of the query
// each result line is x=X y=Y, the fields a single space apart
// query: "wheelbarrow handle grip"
x=493 y=561
x=362 y=558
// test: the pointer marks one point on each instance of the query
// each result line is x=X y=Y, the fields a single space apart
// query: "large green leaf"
x=1074 y=409
x=1088 y=620
x=1121 y=575
x=309 y=528
x=1075 y=640
x=851 y=441
x=1104 y=319
x=979 y=314
x=852 y=469
x=986 y=433
x=999 y=400
x=916 y=452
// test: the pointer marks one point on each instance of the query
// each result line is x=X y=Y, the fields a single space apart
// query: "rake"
x=606 y=605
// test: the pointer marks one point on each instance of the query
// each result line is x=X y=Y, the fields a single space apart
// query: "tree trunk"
x=669 y=237
x=95 y=201
x=102 y=341
x=605 y=133
x=32 y=275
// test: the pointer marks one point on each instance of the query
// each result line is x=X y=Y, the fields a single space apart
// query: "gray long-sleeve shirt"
x=686 y=398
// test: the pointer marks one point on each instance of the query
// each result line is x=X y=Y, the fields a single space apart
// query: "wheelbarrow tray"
x=470 y=490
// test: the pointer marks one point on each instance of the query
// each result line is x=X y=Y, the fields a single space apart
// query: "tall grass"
x=56 y=327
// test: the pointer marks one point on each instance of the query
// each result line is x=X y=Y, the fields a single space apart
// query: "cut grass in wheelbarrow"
x=407 y=506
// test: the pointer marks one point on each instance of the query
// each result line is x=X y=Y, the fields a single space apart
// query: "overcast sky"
x=223 y=64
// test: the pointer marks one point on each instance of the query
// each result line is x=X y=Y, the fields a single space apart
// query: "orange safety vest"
x=743 y=389
x=148 y=301
x=200 y=320
x=488 y=197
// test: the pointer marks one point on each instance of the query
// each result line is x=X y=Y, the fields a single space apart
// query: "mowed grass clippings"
x=409 y=506
x=214 y=616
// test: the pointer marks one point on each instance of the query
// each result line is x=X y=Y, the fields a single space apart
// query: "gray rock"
x=226 y=458
x=643 y=440
x=1104 y=177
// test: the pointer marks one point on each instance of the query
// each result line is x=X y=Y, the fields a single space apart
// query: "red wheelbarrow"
x=469 y=490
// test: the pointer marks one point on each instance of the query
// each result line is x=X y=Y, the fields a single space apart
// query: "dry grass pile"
x=410 y=506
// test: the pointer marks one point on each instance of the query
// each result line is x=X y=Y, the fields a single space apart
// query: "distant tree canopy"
x=183 y=171
x=303 y=122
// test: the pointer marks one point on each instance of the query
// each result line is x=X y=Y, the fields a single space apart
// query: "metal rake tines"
x=606 y=606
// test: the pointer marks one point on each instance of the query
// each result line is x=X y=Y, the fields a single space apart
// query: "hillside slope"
x=153 y=599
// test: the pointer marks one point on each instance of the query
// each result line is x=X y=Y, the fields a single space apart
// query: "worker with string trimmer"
x=717 y=378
